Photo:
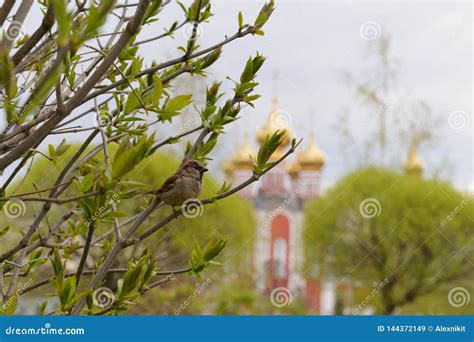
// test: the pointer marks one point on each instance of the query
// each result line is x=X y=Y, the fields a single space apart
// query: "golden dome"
x=228 y=167
x=312 y=158
x=294 y=169
x=277 y=120
x=244 y=154
x=414 y=164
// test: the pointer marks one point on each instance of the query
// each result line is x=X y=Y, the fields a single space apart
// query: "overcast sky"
x=311 y=44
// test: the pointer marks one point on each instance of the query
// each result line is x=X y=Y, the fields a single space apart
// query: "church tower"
x=311 y=161
x=414 y=164
x=239 y=168
x=278 y=199
x=278 y=249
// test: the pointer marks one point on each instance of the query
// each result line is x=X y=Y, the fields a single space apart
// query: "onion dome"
x=228 y=167
x=244 y=154
x=294 y=169
x=312 y=158
x=414 y=164
x=277 y=120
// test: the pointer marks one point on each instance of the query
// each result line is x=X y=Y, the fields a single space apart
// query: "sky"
x=311 y=45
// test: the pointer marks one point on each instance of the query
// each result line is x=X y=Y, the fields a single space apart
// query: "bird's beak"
x=203 y=169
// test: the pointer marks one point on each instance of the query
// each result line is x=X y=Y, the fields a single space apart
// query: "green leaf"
x=57 y=264
x=51 y=151
x=68 y=290
x=268 y=147
x=248 y=71
x=157 y=90
x=213 y=249
x=224 y=188
x=241 y=20
x=96 y=18
x=133 y=102
x=178 y=103
x=63 y=19
x=9 y=82
x=87 y=182
x=4 y=230
x=264 y=14
x=62 y=148
x=42 y=308
x=9 y=308
x=127 y=158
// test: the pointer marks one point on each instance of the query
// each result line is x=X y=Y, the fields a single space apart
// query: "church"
x=278 y=200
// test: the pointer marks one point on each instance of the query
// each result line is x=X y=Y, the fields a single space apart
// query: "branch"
x=192 y=39
x=39 y=134
x=102 y=271
x=46 y=206
x=50 y=200
x=240 y=34
x=5 y=10
x=17 y=22
x=85 y=253
x=232 y=191
x=195 y=146
x=46 y=25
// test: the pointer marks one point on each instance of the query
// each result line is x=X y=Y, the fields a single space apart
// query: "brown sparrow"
x=186 y=183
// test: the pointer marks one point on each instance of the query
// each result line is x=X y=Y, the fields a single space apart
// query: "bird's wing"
x=168 y=184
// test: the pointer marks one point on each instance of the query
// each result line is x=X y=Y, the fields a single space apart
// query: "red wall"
x=280 y=228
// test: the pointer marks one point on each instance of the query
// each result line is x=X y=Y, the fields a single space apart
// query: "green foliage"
x=407 y=239
x=96 y=18
x=65 y=286
x=79 y=59
x=54 y=153
x=134 y=281
x=63 y=19
x=129 y=155
x=263 y=16
x=268 y=147
x=8 y=81
x=203 y=257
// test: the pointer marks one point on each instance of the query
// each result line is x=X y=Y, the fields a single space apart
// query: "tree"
x=391 y=120
x=82 y=61
x=410 y=235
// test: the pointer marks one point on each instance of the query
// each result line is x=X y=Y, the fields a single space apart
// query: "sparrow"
x=186 y=183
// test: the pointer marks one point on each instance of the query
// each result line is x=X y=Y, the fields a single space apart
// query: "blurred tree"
x=412 y=236
x=232 y=219
x=390 y=121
